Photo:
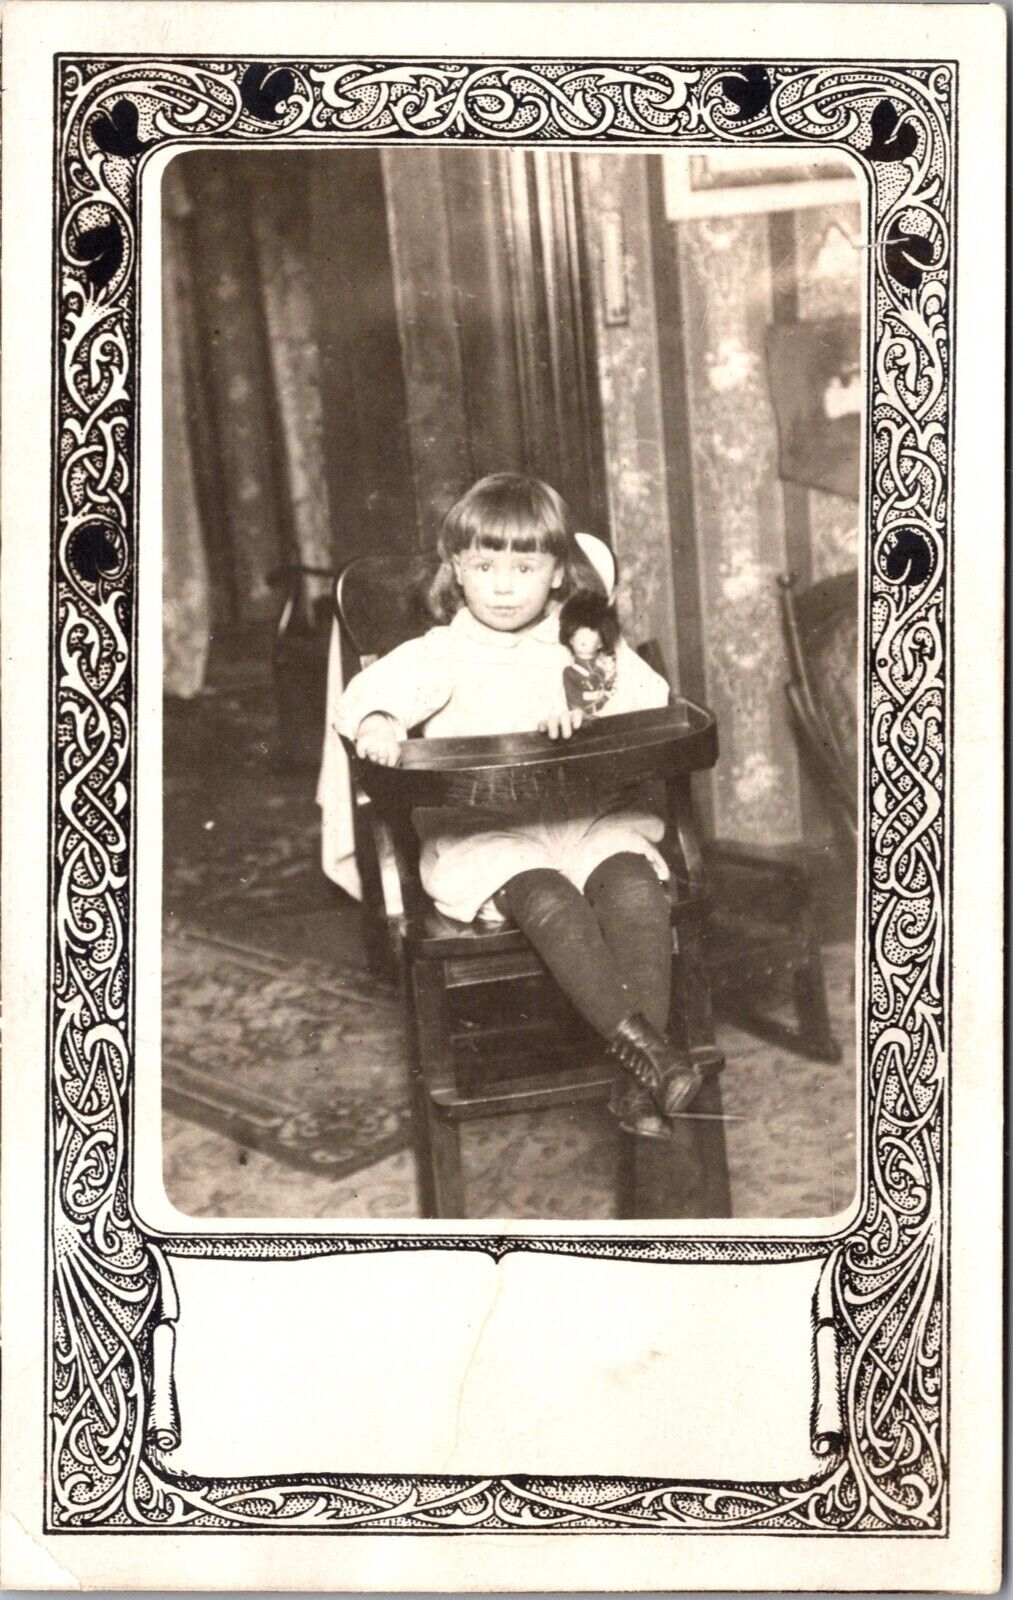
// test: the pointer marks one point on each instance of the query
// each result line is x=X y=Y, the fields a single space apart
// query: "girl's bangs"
x=507 y=511
x=525 y=542
x=510 y=528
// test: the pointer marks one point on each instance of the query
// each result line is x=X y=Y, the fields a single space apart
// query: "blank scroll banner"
x=439 y=1362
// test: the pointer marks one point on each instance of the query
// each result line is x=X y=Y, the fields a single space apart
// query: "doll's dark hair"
x=588 y=610
x=509 y=511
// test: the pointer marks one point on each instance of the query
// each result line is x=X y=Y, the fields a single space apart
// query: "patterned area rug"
x=297 y=1059
x=242 y=830
x=791 y=1147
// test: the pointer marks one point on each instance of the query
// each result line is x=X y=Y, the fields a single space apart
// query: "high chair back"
x=489 y=1032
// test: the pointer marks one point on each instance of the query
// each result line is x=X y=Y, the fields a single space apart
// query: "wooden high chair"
x=489 y=1032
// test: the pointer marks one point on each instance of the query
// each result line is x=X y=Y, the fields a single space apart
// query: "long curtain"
x=495 y=327
x=186 y=608
x=245 y=489
x=427 y=306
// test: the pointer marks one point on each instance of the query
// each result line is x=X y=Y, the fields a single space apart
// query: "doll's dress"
x=588 y=688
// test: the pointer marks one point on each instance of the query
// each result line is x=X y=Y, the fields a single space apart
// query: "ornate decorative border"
x=110 y=1417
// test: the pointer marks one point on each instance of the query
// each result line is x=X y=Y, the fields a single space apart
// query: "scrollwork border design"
x=107 y=1470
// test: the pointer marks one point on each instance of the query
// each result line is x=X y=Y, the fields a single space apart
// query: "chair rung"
x=466 y=972
x=493 y=1036
x=529 y=1094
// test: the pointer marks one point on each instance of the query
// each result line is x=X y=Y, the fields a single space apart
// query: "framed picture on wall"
x=710 y=184
x=815 y=385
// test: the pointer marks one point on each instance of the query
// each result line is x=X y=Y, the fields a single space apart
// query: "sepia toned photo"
x=502 y=790
x=511 y=692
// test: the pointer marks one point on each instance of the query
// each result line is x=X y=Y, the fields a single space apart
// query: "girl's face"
x=507 y=589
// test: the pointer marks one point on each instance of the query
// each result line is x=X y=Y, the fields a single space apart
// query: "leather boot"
x=634 y=1109
x=663 y=1073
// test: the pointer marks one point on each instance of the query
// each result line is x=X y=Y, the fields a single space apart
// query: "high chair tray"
x=683 y=723
x=511 y=768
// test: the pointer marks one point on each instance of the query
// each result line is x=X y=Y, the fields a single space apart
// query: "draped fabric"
x=349 y=342
x=283 y=271
x=186 y=609
x=491 y=279
x=244 y=488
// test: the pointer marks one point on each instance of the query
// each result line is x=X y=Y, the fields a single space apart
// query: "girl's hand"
x=560 y=724
x=377 y=740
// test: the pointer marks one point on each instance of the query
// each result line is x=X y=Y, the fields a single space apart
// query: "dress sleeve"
x=410 y=685
x=638 y=687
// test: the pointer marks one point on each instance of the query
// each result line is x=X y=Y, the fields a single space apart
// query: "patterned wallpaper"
x=739 y=506
x=630 y=388
x=739 y=522
x=830 y=263
x=738 y=503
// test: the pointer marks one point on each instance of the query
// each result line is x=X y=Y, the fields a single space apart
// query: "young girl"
x=581 y=881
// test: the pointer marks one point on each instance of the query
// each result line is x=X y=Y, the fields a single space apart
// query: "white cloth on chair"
x=334 y=789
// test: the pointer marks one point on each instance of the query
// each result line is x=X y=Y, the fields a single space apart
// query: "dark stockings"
x=632 y=910
x=610 y=948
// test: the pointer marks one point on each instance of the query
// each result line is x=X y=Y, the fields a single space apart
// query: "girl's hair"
x=588 y=610
x=509 y=511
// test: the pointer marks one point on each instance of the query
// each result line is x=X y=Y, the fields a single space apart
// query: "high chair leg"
x=709 y=1140
x=439 y=1148
x=626 y=1176
x=448 y=1176
x=425 y=1187
x=692 y=999
x=688 y=1176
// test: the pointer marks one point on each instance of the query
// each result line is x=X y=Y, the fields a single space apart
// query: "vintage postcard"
x=503 y=769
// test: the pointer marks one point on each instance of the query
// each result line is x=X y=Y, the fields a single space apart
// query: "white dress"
x=466 y=679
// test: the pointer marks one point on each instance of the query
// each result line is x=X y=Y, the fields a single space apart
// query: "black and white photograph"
x=560 y=451
x=502 y=793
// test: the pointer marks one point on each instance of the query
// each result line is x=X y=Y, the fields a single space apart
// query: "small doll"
x=589 y=628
